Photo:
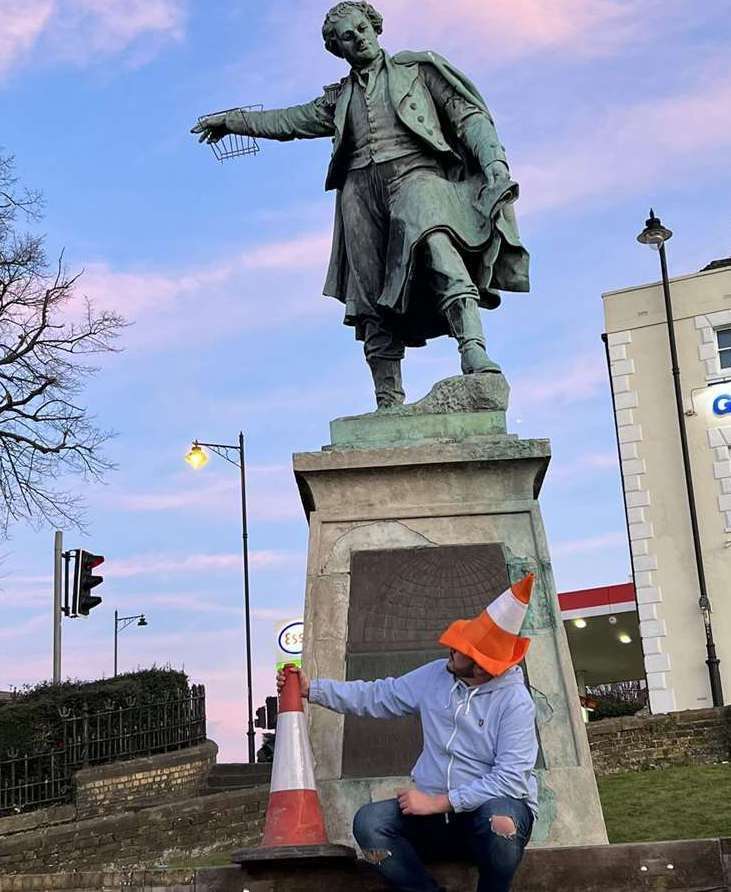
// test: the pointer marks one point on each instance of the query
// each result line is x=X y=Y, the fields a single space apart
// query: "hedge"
x=31 y=723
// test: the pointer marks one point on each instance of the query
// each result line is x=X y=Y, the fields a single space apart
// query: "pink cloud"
x=111 y=25
x=272 y=494
x=167 y=564
x=80 y=31
x=589 y=544
x=22 y=23
x=166 y=300
x=11 y=596
x=29 y=627
x=584 y=466
x=508 y=29
x=306 y=250
x=564 y=383
x=626 y=148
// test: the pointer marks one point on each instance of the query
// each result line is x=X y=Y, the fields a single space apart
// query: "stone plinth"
x=454 y=409
x=404 y=504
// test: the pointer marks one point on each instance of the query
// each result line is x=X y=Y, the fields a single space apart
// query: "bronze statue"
x=424 y=226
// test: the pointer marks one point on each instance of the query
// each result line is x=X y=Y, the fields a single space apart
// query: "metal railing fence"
x=117 y=732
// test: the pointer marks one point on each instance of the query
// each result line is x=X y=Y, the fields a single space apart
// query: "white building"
x=666 y=576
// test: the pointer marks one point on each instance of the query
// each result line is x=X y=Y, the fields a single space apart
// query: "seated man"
x=475 y=792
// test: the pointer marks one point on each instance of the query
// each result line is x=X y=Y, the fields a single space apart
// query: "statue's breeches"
x=389 y=212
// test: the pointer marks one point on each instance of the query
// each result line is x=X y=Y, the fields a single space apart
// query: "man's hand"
x=211 y=128
x=304 y=681
x=495 y=172
x=414 y=802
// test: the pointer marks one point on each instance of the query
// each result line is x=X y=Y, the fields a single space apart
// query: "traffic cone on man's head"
x=294 y=816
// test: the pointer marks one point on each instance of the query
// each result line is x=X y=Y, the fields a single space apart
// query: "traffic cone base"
x=294 y=818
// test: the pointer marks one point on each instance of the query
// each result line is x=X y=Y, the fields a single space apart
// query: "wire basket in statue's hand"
x=233 y=145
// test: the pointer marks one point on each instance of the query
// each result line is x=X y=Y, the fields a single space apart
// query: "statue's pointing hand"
x=211 y=128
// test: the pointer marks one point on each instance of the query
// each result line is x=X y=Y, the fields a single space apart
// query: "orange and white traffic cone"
x=294 y=826
x=294 y=816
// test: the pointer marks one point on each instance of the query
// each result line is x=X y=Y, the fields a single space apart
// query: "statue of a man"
x=424 y=226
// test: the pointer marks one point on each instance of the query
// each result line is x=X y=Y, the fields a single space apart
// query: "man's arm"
x=307 y=121
x=473 y=125
x=515 y=758
x=387 y=698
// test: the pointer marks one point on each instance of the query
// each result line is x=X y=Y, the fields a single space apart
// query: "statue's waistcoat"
x=414 y=108
x=375 y=133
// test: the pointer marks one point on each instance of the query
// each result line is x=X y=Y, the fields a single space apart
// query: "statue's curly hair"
x=341 y=9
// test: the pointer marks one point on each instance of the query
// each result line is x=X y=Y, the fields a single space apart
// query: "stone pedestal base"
x=403 y=539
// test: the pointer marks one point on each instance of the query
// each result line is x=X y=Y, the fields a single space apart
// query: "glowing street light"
x=197 y=457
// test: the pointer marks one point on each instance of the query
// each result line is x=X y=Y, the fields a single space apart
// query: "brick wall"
x=139 y=783
x=639 y=743
x=151 y=837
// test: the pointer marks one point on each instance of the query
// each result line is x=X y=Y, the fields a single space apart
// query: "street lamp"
x=655 y=235
x=197 y=458
x=120 y=624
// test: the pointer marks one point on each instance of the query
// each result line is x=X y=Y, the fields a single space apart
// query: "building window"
x=724 y=347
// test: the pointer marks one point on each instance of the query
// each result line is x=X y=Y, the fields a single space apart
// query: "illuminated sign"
x=722 y=404
x=290 y=638
x=713 y=403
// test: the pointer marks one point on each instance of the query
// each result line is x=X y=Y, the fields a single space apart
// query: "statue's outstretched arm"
x=308 y=121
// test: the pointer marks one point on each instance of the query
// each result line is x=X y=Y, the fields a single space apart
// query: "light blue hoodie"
x=479 y=742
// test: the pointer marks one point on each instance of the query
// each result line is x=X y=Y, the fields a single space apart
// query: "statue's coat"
x=482 y=217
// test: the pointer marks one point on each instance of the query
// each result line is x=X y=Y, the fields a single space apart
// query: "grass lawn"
x=691 y=802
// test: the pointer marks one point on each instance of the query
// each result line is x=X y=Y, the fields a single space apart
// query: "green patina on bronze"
x=425 y=230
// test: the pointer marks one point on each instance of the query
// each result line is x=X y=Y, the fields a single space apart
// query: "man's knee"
x=500 y=840
x=372 y=824
x=498 y=818
x=503 y=825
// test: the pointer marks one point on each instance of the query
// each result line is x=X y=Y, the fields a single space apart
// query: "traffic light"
x=272 y=704
x=266 y=716
x=85 y=580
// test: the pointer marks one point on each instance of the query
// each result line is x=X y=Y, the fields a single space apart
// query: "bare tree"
x=46 y=336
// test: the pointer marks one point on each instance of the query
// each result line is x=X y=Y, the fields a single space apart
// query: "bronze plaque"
x=401 y=600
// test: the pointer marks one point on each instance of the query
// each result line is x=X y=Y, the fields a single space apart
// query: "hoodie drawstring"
x=469 y=700
x=451 y=691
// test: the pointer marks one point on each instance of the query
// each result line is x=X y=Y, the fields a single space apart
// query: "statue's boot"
x=387 y=381
x=463 y=317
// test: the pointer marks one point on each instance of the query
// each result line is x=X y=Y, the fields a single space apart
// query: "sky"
x=606 y=107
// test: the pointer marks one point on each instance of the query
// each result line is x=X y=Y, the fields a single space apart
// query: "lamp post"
x=655 y=235
x=120 y=624
x=197 y=458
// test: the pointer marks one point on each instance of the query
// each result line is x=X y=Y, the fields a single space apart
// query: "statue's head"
x=351 y=32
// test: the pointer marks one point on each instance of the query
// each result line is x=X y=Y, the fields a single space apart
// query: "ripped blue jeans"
x=397 y=845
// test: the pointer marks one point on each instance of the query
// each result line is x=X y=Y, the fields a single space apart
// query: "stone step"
x=237 y=776
x=680 y=866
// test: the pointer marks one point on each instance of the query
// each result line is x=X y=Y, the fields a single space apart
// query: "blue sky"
x=605 y=107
